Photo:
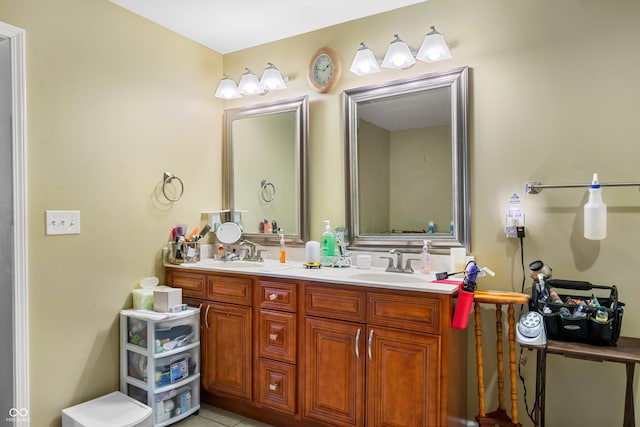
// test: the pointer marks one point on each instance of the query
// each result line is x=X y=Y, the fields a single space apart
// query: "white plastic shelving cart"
x=160 y=362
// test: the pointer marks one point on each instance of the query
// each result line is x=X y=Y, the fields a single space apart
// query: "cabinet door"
x=334 y=372
x=402 y=378
x=226 y=349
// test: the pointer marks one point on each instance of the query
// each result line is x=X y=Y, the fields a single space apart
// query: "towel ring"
x=166 y=179
x=264 y=193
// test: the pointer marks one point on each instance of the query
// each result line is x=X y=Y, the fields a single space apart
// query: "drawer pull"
x=273 y=297
x=369 y=345
x=358 y=344
x=273 y=337
x=273 y=387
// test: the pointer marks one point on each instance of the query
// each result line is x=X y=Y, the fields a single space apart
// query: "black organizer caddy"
x=584 y=329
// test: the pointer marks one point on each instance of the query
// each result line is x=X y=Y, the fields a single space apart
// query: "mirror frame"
x=457 y=80
x=301 y=106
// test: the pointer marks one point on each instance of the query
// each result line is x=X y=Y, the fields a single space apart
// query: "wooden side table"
x=499 y=298
x=627 y=351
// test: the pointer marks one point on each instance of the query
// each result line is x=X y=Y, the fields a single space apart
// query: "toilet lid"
x=113 y=409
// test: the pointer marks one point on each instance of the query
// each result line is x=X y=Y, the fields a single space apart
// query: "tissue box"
x=165 y=297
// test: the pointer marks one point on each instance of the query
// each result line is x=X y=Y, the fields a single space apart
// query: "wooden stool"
x=499 y=416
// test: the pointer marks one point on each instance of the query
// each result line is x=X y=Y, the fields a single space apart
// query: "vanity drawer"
x=234 y=290
x=277 y=295
x=277 y=386
x=277 y=335
x=421 y=313
x=335 y=303
x=192 y=284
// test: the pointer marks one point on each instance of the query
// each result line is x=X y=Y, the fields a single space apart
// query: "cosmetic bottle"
x=595 y=213
x=328 y=240
x=268 y=228
x=283 y=251
x=425 y=259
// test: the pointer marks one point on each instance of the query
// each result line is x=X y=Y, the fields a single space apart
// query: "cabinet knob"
x=273 y=297
x=273 y=387
x=273 y=337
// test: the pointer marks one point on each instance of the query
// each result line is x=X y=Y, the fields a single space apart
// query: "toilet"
x=111 y=410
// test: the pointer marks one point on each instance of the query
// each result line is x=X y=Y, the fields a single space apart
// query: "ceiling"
x=228 y=26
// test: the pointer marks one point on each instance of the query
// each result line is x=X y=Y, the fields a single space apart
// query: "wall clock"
x=324 y=70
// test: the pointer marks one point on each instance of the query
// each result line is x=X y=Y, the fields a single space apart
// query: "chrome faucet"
x=398 y=268
x=252 y=251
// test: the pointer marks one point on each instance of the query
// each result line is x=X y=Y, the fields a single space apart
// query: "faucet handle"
x=407 y=267
x=390 y=267
x=259 y=254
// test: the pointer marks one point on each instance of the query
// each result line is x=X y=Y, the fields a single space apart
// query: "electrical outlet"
x=514 y=231
x=62 y=222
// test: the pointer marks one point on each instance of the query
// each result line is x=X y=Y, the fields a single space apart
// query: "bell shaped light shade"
x=434 y=47
x=227 y=89
x=249 y=83
x=272 y=79
x=364 y=62
x=398 y=56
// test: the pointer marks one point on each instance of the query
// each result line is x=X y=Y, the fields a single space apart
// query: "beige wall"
x=553 y=98
x=113 y=101
x=373 y=178
x=265 y=149
x=419 y=159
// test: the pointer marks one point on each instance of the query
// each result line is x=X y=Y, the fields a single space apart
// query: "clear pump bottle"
x=425 y=259
x=595 y=213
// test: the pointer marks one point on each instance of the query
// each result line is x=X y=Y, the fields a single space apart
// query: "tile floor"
x=210 y=416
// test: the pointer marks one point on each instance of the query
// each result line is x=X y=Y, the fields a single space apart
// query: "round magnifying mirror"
x=228 y=233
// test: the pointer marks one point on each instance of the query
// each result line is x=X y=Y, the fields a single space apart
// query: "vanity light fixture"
x=434 y=47
x=272 y=79
x=398 y=56
x=364 y=62
x=227 y=89
x=249 y=83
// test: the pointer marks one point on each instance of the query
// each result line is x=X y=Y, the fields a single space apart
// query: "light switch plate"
x=62 y=222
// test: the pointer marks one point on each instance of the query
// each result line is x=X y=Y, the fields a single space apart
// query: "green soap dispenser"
x=328 y=240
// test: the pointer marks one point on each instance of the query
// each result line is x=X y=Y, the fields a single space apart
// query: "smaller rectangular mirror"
x=265 y=169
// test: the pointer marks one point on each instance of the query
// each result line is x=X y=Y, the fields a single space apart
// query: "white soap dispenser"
x=595 y=213
x=425 y=258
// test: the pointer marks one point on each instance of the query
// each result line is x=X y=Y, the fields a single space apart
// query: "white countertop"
x=373 y=277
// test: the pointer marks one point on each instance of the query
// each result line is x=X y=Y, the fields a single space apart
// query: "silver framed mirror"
x=407 y=163
x=265 y=170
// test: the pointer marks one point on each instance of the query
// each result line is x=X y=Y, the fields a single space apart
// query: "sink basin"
x=388 y=278
x=237 y=264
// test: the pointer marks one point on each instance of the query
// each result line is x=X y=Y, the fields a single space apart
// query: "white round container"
x=312 y=251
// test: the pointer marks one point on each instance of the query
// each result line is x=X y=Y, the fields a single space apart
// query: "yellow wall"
x=553 y=98
x=113 y=101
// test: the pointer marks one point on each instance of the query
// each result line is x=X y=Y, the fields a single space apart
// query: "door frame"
x=19 y=158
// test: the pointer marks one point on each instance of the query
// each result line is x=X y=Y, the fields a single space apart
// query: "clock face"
x=324 y=70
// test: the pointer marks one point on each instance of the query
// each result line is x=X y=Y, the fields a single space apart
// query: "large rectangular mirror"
x=265 y=169
x=407 y=159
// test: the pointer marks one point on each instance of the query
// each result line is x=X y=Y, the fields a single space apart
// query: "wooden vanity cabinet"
x=226 y=339
x=297 y=353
